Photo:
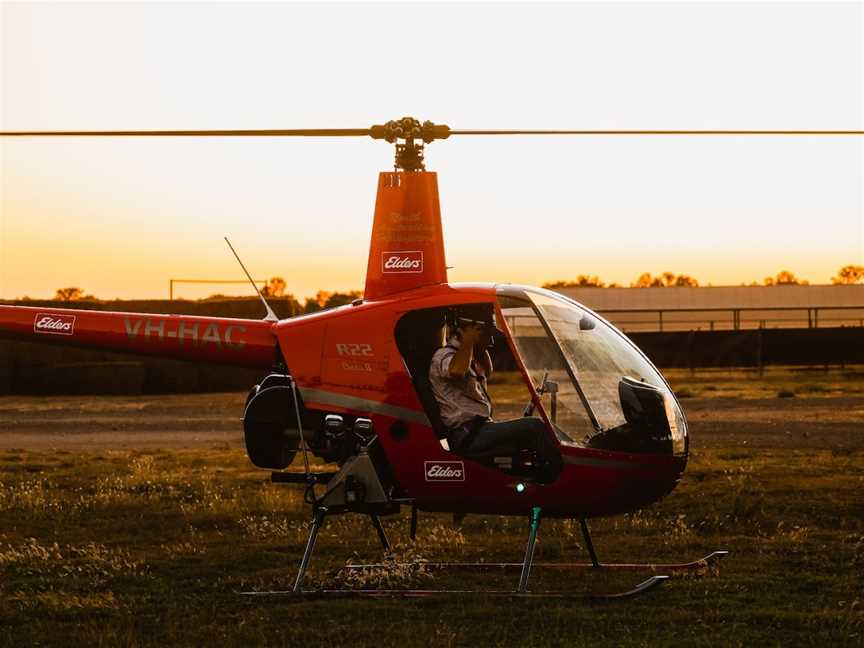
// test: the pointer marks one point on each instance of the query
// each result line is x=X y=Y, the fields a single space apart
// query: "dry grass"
x=154 y=547
x=145 y=548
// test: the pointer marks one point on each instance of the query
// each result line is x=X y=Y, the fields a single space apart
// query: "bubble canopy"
x=596 y=387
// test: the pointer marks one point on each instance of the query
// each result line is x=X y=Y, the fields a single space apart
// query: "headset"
x=460 y=317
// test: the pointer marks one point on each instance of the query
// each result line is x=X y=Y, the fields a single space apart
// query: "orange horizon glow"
x=192 y=292
x=140 y=265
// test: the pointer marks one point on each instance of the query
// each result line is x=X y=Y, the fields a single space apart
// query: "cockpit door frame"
x=526 y=377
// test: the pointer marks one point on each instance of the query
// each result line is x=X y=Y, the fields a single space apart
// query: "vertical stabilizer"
x=407 y=247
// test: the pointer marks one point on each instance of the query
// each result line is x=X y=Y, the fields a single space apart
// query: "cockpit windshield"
x=595 y=385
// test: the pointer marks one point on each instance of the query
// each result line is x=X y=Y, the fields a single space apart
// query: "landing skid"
x=307 y=595
x=320 y=512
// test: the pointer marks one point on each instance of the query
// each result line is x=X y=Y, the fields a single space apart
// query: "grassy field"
x=782 y=382
x=129 y=546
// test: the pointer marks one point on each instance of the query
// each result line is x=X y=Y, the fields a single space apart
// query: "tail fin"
x=407 y=247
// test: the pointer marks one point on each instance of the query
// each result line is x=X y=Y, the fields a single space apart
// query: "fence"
x=753 y=347
x=734 y=319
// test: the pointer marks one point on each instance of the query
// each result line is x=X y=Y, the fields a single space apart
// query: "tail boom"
x=241 y=342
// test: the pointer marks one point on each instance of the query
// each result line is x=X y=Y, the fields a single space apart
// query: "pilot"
x=458 y=374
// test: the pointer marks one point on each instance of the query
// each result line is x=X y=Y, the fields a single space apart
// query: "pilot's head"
x=477 y=317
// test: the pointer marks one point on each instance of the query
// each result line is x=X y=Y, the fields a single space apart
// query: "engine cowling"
x=273 y=437
x=270 y=427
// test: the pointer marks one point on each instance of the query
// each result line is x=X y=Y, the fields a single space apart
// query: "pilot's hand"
x=484 y=340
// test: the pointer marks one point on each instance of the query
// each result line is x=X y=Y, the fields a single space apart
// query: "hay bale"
x=6 y=367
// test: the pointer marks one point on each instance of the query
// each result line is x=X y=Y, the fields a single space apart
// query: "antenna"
x=271 y=316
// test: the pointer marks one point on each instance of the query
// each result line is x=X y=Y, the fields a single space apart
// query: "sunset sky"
x=119 y=217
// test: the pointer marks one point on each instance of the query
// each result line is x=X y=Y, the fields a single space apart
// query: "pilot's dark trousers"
x=509 y=437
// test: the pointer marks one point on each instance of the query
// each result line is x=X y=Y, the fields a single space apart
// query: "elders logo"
x=54 y=324
x=444 y=470
x=406 y=261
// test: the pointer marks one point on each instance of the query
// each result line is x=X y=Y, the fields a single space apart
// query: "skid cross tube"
x=413 y=529
x=586 y=533
x=382 y=536
x=529 y=550
x=317 y=521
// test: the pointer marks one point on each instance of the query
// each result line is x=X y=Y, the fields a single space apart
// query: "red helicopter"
x=351 y=385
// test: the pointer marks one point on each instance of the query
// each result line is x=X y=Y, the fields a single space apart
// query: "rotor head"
x=409 y=136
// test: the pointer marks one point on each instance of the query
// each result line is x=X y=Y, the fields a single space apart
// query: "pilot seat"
x=419 y=334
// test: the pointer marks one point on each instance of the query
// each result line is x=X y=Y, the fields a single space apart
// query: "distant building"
x=725 y=307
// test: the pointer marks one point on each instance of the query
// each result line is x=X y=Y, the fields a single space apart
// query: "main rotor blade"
x=657 y=132
x=305 y=132
x=381 y=132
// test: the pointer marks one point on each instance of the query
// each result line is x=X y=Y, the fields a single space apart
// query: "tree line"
x=275 y=287
x=847 y=275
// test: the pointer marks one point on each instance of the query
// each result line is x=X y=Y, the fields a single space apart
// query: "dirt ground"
x=115 y=422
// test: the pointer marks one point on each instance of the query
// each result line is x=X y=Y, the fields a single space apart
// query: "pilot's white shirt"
x=459 y=399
